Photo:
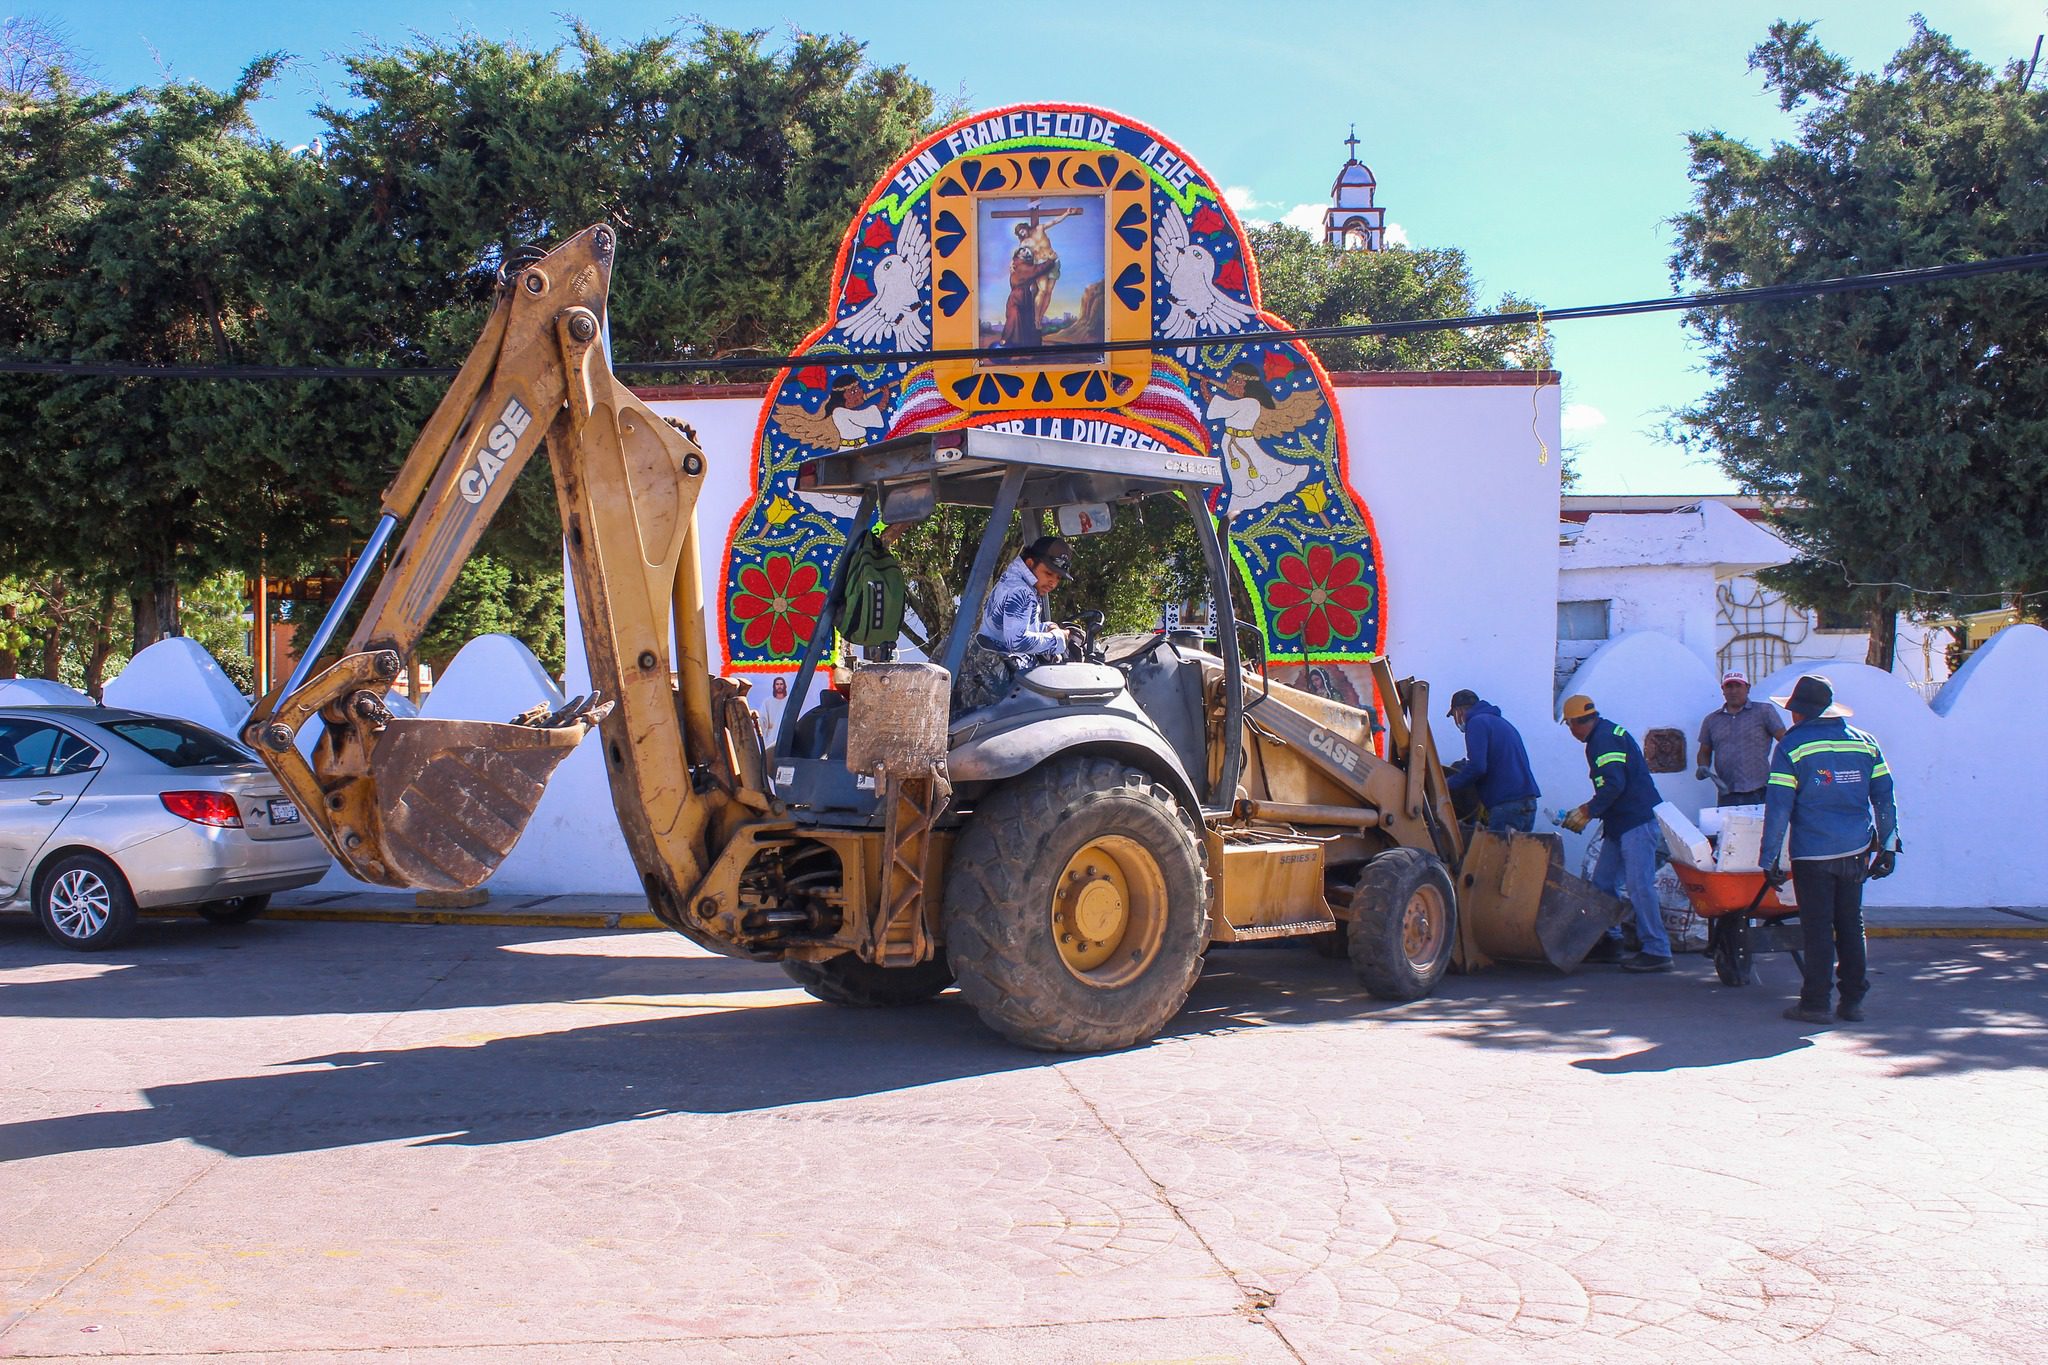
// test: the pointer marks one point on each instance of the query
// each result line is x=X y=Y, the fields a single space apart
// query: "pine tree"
x=1898 y=438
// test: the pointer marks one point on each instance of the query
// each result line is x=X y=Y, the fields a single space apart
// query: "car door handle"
x=47 y=798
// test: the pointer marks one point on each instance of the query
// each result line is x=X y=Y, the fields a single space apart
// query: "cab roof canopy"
x=912 y=474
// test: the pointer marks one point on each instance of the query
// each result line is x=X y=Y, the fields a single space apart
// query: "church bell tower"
x=1352 y=221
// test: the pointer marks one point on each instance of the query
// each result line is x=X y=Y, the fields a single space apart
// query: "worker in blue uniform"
x=1828 y=779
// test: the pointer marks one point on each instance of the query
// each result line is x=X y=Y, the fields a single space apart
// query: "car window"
x=26 y=747
x=178 y=743
x=72 y=755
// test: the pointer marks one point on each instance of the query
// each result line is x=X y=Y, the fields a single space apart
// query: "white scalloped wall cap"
x=177 y=677
x=494 y=677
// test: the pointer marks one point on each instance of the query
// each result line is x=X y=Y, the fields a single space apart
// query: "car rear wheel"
x=83 y=902
x=239 y=910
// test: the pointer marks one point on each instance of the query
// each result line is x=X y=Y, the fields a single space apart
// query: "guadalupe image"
x=1041 y=270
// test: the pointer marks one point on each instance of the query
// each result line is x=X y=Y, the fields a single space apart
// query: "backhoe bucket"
x=453 y=796
x=1516 y=903
x=435 y=804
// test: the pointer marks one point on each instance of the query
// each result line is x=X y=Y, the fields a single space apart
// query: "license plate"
x=284 y=813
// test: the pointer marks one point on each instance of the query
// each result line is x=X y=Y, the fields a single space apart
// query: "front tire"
x=846 y=980
x=1404 y=923
x=83 y=903
x=240 y=910
x=1076 y=907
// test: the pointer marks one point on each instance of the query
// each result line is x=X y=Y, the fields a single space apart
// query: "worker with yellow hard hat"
x=1625 y=803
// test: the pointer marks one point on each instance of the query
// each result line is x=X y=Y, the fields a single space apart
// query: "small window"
x=1834 y=621
x=1583 y=620
x=178 y=743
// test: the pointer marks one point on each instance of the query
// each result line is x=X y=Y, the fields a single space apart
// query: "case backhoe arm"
x=438 y=804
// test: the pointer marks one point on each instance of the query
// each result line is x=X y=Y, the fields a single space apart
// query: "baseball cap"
x=1464 y=696
x=1578 y=708
x=1735 y=675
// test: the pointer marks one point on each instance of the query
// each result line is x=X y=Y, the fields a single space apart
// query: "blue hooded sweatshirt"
x=1495 y=760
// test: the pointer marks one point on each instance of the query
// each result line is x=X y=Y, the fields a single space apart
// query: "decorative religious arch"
x=1054 y=223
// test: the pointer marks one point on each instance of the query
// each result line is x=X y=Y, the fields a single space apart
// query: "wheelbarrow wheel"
x=1734 y=961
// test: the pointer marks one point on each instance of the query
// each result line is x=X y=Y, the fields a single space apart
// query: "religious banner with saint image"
x=1061 y=225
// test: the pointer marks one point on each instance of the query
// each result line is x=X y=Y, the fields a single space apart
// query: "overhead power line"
x=728 y=363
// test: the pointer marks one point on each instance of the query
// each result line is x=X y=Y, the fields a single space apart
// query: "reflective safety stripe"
x=1785 y=780
x=1832 y=746
x=1610 y=758
x=1883 y=769
x=1599 y=781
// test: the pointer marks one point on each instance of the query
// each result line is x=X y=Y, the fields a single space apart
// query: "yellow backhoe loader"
x=1065 y=853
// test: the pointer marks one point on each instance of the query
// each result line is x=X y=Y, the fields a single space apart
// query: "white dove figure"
x=899 y=288
x=1190 y=275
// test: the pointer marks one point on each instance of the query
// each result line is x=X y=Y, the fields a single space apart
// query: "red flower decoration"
x=777 y=604
x=878 y=234
x=1277 y=366
x=1319 y=597
x=859 y=290
x=1230 y=275
x=1207 y=219
x=813 y=377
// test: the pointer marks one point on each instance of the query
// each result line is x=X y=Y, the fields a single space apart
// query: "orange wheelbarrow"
x=1744 y=917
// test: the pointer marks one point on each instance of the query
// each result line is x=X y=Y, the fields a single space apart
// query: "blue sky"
x=1547 y=141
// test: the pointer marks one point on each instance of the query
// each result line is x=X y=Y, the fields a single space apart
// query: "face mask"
x=1459 y=721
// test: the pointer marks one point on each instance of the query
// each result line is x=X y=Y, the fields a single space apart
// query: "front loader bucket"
x=1516 y=903
x=451 y=797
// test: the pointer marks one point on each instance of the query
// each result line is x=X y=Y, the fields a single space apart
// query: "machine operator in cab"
x=1014 y=634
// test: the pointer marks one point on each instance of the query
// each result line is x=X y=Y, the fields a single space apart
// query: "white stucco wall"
x=1463 y=497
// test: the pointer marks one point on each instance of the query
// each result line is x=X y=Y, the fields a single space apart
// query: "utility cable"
x=1541 y=317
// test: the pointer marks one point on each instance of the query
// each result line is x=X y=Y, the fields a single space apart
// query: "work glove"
x=1578 y=819
x=1882 y=864
x=1774 y=876
x=1700 y=773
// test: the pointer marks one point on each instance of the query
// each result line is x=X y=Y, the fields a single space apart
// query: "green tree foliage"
x=730 y=168
x=211 y=612
x=155 y=225
x=1311 y=284
x=134 y=226
x=1897 y=437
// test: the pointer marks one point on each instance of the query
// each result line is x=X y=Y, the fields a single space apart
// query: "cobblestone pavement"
x=337 y=1142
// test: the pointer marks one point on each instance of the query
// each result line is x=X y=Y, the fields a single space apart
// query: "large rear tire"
x=1076 y=907
x=846 y=980
x=1404 y=923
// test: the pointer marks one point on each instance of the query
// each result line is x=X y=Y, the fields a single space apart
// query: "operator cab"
x=1153 y=680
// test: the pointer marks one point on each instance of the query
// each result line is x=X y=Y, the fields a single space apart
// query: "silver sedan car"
x=104 y=812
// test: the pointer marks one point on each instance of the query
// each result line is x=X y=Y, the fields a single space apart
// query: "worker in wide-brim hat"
x=1625 y=803
x=1827 y=780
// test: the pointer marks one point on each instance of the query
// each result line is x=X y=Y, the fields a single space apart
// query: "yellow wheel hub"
x=1424 y=922
x=1109 y=910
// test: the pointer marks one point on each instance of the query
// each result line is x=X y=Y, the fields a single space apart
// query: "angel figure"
x=1250 y=414
x=850 y=416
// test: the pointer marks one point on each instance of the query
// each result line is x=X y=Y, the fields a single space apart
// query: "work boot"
x=1645 y=962
x=1607 y=950
x=1849 y=1013
x=1806 y=1016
